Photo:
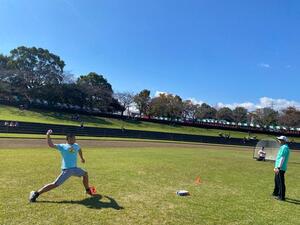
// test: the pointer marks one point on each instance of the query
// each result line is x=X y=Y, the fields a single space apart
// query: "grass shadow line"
x=292 y=201
x=93 y=202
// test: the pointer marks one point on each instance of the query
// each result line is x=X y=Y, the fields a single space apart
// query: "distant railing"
x=41 y=128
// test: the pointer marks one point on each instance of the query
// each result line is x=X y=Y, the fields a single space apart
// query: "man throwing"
x=69 y=167
x=280 y=168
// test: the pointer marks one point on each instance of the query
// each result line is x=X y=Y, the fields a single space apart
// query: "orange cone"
x=197 y=180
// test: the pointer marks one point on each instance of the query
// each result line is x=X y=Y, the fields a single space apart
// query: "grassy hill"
x=42 y=116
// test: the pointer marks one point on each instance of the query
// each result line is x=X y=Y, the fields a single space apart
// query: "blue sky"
x=216 y=51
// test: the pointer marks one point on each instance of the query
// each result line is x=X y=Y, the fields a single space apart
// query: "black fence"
x=41 y=128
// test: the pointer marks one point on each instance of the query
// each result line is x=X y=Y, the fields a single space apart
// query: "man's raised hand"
x=49 y=132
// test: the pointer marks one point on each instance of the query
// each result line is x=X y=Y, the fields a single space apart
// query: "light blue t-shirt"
x=69 y=155
x=282 y=157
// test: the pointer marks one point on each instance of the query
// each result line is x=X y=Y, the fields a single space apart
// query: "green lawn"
x=39 y=116
x=235 y=189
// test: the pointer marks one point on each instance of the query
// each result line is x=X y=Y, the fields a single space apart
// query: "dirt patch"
x=7 y=143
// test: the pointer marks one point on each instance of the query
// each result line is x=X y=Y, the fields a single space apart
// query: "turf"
x=42 y=116
x=137 y=186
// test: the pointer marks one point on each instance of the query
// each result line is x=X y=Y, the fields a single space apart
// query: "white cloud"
x=195 y=101
x=277 y=104
x=264 y=65
x=248 y=105
x=157 y=93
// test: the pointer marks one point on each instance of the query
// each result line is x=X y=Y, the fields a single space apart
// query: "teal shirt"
x=282 y=157
x=69 y=155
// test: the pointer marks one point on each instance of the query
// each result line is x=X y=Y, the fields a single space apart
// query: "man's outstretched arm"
x=81 y=156
x=49 y=140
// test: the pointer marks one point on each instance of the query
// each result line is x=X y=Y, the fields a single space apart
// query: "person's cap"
x=283 y=138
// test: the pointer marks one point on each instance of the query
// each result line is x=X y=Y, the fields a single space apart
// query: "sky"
x=222 y=52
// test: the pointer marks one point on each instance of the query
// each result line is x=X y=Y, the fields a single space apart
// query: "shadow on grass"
x=93 y=202
x=293 y=201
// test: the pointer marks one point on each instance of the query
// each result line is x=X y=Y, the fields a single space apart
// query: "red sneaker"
x=91 y=191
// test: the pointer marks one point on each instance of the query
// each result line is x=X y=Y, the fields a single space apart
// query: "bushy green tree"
x=142 y=101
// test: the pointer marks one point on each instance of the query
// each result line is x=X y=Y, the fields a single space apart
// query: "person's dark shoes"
x=280 y=199
x=33 y=196
x=89 y=192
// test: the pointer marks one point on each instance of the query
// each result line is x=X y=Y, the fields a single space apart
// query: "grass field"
x=137 y=186
x=39 y=116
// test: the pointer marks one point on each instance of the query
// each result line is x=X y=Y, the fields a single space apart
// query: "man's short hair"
x=70 y=135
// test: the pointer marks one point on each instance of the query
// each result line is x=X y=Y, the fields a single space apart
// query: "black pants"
x=261 y=159
x=279 y=189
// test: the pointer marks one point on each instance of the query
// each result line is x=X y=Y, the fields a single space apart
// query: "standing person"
x=280 y=168
x=69 y=167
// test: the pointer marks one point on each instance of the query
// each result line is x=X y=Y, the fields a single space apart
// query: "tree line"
x=36 y=75
x=174 y=108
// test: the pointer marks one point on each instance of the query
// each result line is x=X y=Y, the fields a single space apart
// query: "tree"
x=166 y=105
x=290 y=117
x=73 y=95
x=97 y=90
x=125 y=99
x=175 y=107
x=190 y=110
x=225 y=113
x=4 y=85
x=41 y=66
x=240 y=115
x=266 y=117
x=27 y=69
x=4 y=89
x=115 y=106
x=49 y=93
x=205 y=111
x=142 y=101
x=3 y=62
x=158 y=105
x=68 y=78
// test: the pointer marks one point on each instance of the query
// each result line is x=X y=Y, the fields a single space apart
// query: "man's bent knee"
x=54 y=185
